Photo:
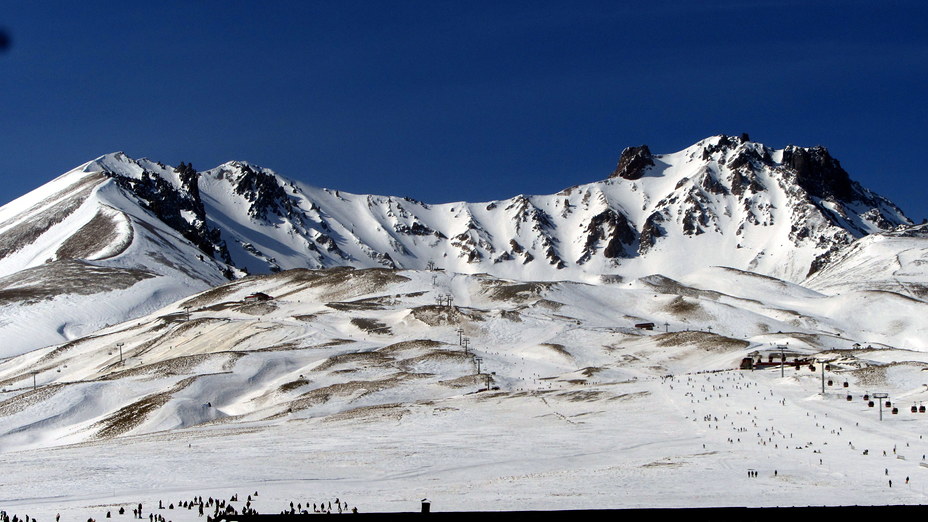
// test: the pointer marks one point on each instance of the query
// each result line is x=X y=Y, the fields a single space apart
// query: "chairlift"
x=845 y=384
x=888 y=404
x=830 y=382
x=849 y=397
x=827 y=367
x=914 y=409
x=870 y=404
x=921 y=408
x=895 y=411
x=812 y=367
x=866 y=396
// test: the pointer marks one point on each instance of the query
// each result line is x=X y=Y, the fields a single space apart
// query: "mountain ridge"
x=724 y=201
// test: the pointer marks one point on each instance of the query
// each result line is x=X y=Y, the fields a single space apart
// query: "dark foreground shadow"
x=843 y=513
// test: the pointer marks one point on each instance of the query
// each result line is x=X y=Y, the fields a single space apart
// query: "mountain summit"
x=145 y=234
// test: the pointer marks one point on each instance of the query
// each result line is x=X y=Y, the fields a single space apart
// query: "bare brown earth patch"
x=630 y=396
x=257 y=309
x=584 y=395
x=61 y=350
x=394 y=411
x=24 y=400
x=183 y=365
x=344 y=390
x=338 y=285
x=369 y=303
x=133 y=415
x=357 y=358
x=46 y=214
x=558 y=349
x=877 y=375
x=70 y=276
x=517 y=292
x=466 y=381
x=371 y=325
x=414 y=344
x=292 y=385
x=702 y=340
x=215 y=295
x=283 y=347
x=548 y=304
x=680 y=307
x=434 y=315
x=99 y=237
x=666 y=285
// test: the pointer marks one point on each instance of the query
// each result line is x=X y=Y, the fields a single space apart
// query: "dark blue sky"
x=445 y=101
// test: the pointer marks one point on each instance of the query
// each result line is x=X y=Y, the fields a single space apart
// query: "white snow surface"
x=132 y=371
x=721 y=202
x=353 y=384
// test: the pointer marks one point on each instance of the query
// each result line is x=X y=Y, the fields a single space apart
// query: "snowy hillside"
x=117 y=238
x=890 y=261
x=357 y=384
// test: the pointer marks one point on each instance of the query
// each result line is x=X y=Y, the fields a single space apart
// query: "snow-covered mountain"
x=359 y=384
x=895 y=261
x=119 y=237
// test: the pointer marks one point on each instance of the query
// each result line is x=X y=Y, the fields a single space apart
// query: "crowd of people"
x=710 y=402
x=212 y=509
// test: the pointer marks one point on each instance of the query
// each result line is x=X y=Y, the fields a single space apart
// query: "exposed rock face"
x=612 y=229
x=818 y=173
x=172 y=206
x=264 y=192
x=633 y=162
x=722 y=201
x=651 y=232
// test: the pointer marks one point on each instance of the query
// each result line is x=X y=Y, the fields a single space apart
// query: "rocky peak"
x=170 y=204
x=633 y=162
x=723 y=144
x=818 y=173
x=263 y=191
x=189 y=181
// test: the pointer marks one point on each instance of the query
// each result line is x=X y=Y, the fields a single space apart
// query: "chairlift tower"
x=460 y=336
x=465 y=343
x=478 y=360
x=823 y=364
x=119 y=345
x=782 y=358
x=880 y=396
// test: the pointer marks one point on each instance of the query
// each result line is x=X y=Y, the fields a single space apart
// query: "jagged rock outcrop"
x=723 y=201
x=612 y=232
x=633 y=162
x=264 y=192
x=181 y=208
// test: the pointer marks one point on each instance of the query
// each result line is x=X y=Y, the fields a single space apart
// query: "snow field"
x=293 y=399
